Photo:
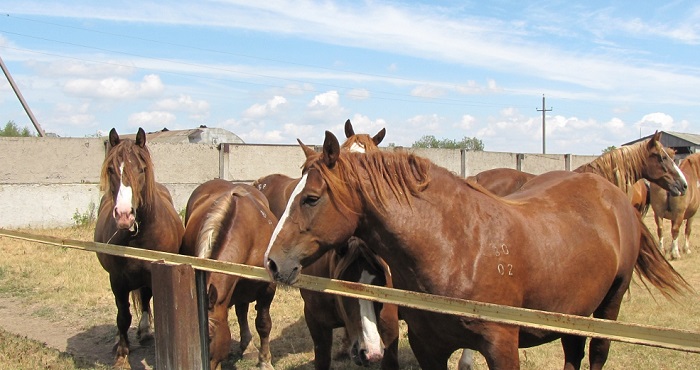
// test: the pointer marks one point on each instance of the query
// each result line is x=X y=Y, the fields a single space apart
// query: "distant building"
x=200 y=135
x=684 y=144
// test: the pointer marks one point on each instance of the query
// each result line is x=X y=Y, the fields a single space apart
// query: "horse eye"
x=310 y=200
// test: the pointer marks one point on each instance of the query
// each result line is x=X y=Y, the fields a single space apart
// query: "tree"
x=609 y=149
x=11 y=130
x=469 y=143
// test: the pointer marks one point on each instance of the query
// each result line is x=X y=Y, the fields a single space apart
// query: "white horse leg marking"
x=371 y=341
x=145 y=324
x=675 y=254
x=466 y=361
x=661 y=245
x=283 y=219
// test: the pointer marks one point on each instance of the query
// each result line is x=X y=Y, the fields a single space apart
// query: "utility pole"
x=21 y=99
x=543 y=110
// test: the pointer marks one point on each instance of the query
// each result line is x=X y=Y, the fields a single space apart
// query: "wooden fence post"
x=178 y=344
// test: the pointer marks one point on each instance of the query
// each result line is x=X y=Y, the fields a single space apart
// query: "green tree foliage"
x=609 y=149
x=11 y=129
x=469 y=143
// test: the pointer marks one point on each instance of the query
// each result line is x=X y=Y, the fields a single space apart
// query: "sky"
x=274 y=71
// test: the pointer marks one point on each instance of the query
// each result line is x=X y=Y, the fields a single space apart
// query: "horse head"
x=361 y=143
x=127 y=175
x=661 y=169
x=355 y=262
x=219 y=331
x=317 y=218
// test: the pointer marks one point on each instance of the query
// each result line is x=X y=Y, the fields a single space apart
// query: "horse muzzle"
x=124 y=220
x=286 y=272
x=678 y=188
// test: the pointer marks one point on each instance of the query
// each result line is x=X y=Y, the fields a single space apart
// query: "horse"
x=646 y=159
x=530 y=249
x=641 y=196
x=134 y=211
x=232 y=222
x=678 y=208
x=502 y=181
x=367 y=340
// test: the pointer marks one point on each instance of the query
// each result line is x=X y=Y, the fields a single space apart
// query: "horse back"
x=277 y=188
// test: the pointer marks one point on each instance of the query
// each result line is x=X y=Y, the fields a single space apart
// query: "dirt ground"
x=91 y=345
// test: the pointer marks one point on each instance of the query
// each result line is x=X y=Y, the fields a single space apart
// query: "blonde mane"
x=218 y=218
x=622 y=166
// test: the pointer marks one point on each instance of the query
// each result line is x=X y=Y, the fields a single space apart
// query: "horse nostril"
x=272 y=266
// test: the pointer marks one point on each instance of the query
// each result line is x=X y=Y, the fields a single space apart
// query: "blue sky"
x=281 y=70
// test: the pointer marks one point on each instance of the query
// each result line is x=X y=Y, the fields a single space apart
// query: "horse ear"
x=307 y=151
x=654 y=139
x=213 y=296
x=379 y=137
x=331 y=149
x=113 y=137
x=348 y=129
x=141 y=137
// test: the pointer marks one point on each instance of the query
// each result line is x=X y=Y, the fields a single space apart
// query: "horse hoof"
x=265 y=366
x=122 y=363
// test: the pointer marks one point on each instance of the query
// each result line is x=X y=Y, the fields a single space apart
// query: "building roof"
x=202 y=135
x=682 y=143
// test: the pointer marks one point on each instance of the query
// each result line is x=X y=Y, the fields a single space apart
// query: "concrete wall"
x=45 y=182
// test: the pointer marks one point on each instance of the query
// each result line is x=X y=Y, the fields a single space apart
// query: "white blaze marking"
x=124 y=195
x=283 y=219
x=357 y=148
x=680 y=173
x=370 y=333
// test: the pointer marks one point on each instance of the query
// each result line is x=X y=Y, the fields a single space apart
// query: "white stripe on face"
x=370 y=333
x=357 y=148
x=124 y=195
x=678 y=170
x=280 y=224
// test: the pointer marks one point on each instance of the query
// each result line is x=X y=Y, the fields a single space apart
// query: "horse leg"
x=263 y=325
x=322 y=337
x=466 y=361
x=244 y=328
x=144 y=332
x=428 y=356
x=121 y=298
x=688 y=228
x=609 y=309
x=574 y=349
x=660 y=232
x=675 y=231
x=389 y=331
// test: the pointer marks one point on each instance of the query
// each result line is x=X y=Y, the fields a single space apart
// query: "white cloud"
x=115 y=87
x=154 y=120
x=466 y=122
x=428 y=91
x=326 y=100
x=358 y=94
x=66 y=68
x=430 y=122
x=271 y=106
x=183 y=103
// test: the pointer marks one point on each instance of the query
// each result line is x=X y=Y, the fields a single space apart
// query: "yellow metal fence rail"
x=675 y=339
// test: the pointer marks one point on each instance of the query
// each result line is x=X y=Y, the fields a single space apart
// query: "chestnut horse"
x=678 y=208
x=502 y=181
x=135 y=211
x=371 y=339
x=646 y=159
x=232 y=222
x=444 y=236
x=641 y=196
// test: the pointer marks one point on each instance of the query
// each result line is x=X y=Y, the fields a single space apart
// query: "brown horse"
x=372 y=339
x=502 y=181
x=442 y=235
x=641 y=196
x=647 y=159
x=135 y=211
x=678 y=208
x=232 y=222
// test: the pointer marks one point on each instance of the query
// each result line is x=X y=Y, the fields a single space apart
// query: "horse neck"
x=620 y=167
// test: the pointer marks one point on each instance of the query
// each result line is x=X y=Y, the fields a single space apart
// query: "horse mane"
x=218 y=218
x=404 y=174
x=362 y=140
x=621 y=166
x=122 y=152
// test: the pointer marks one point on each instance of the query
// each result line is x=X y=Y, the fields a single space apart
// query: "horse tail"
x=209 y=232
x=138 y=303
x=653 y=266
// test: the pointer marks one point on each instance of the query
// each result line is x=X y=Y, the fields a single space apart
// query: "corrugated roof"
x=693 y=138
